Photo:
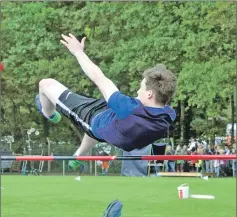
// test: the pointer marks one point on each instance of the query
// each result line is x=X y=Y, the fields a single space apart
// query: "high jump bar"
x=109 y=158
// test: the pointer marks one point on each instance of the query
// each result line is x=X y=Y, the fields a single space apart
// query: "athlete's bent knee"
x=48 y=82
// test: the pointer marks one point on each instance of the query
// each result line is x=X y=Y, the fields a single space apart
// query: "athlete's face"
x=143 y=94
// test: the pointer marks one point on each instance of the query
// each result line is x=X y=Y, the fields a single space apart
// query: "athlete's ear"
x=150 y=94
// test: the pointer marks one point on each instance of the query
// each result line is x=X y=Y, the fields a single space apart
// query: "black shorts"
x=80 y=109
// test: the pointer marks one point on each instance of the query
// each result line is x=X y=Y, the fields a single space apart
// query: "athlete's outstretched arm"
x=106 y=86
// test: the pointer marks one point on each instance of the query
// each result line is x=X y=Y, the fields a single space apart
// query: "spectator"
x=216 y=165
x=192 y=144
x=222 y=164
x=199 y=163
x=217 y=149
x=192 y=162
x=186 y=165
x=233 y=151
x=105 y=165
x=171 y=163
x=227 y=152
x=204 y=144
x=179 y=163
x=185 y=150
x=209 y=163
x=83 y=167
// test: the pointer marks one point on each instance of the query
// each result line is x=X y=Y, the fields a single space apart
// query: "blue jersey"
x=129 y=125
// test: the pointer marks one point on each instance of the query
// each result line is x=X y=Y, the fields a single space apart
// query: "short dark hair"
x=162 y=81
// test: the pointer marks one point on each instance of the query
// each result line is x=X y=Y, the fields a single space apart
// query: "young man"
x=126 y=122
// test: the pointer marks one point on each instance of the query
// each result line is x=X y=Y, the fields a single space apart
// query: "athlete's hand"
x=73 y=45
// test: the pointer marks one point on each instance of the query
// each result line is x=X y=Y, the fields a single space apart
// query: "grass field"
x=63 y=196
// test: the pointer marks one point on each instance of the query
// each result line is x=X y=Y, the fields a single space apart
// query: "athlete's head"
x=157 y=87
